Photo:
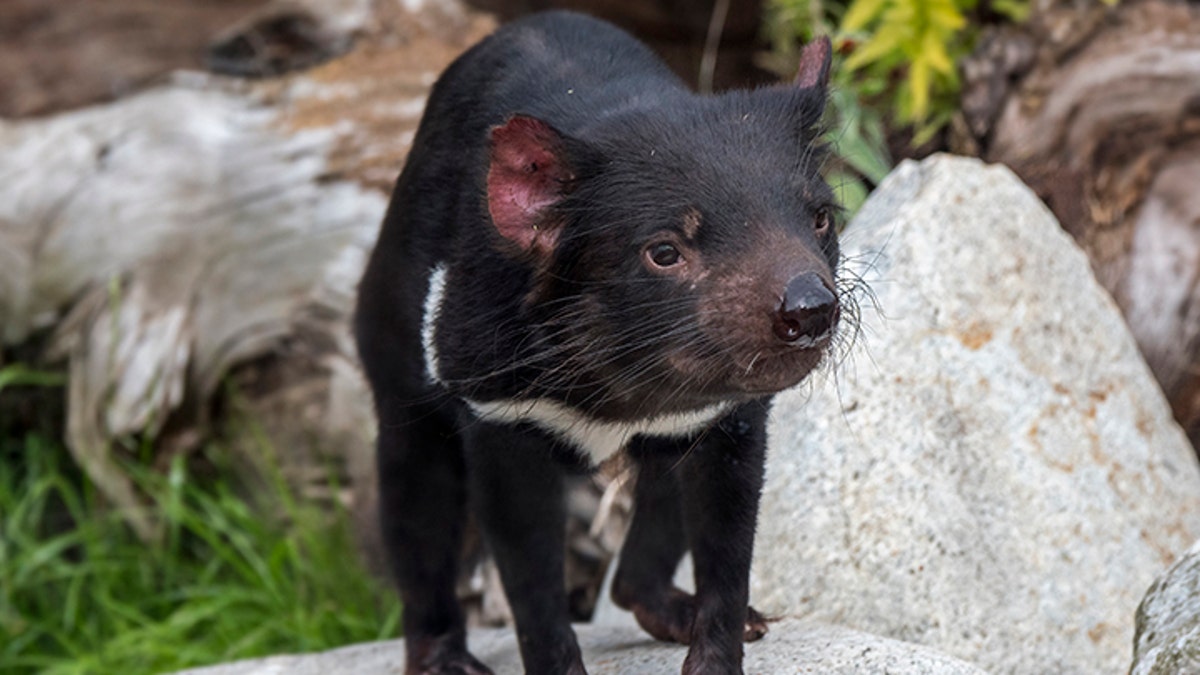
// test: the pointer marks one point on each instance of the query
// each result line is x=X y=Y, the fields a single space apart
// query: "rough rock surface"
x=791 y=647
x=1167 y=640
x=991 y=469
x=1102 y=123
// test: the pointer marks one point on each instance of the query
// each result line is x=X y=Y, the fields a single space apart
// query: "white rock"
x=1167 y=640
x=792 y=647
x=992 y=471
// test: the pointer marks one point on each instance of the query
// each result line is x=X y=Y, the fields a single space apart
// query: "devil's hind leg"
x=422 y=492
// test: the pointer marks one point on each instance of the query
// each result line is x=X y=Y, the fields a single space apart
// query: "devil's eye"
x=663 y=254
x=821 y=221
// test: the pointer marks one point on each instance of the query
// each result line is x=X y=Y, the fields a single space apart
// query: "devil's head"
x=683 y=253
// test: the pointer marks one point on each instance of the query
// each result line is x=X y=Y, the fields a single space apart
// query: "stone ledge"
x=792 y=646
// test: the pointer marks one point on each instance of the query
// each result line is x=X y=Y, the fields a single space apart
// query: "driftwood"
x=1105 y=126
x=180 y=231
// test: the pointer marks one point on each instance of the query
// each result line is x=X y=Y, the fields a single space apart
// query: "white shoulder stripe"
x=598 y=439
x=432 y=309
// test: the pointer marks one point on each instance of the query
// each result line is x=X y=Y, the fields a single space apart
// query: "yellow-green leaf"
x=1015 y=10
x=886 y=41
x=901 y=16
x=861 y=13
x=925 y=131
x=943 y=13
x=933 y=50
x=918 y=81
x=929 y=128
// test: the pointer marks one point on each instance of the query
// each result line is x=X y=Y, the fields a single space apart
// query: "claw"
x=442 y=655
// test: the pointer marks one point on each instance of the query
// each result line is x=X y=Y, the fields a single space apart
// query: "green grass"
x=79 y=593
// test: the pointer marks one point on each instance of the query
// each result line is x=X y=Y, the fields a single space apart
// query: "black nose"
x=807 y=311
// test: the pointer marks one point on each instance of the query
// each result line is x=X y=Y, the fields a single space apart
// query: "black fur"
x=553 y=157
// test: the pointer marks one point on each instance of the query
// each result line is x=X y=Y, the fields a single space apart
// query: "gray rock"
x=791 y=647
x=1167 y=640
x=991 y=470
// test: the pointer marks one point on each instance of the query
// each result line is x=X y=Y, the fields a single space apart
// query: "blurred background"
x=188 y=189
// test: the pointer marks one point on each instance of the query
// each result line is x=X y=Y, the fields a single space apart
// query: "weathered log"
x=198 y=225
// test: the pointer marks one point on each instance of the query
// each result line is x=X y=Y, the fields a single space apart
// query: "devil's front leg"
x=644 y=582
x=516 y=488
x=422 y=490
x=720 y=484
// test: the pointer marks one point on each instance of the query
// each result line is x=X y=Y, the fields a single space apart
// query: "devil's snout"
x=807 y=311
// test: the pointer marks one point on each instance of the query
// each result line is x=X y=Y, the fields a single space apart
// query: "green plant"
x=80 y=593
x=861 y=154
x=900 y=69
x=20 y=375
x=855 y=131
x=919 y=40
x=901 y=55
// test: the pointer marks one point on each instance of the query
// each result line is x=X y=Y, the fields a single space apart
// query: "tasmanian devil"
x=582 y=257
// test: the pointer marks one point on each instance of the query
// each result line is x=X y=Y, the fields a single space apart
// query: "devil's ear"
x=814 y=63
x=810 y=87
x=528 y=174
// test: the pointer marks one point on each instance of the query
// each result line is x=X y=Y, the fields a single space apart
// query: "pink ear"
x=526 y=177
x=814 y=63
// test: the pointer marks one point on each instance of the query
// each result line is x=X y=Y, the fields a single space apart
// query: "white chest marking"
x=597 y=438
x=433 y=307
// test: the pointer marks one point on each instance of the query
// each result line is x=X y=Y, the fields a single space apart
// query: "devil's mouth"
x=772 y=371
x=740 y=371
x=810 y=342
